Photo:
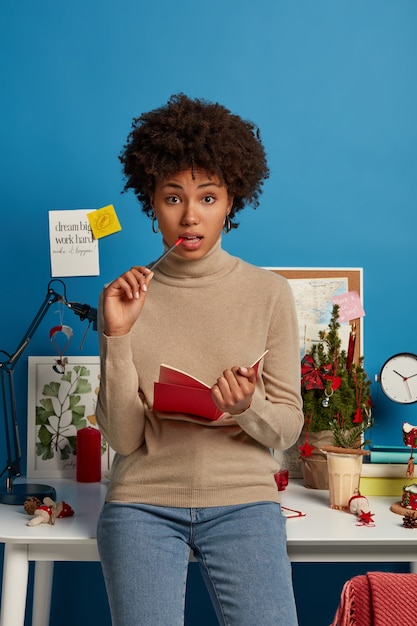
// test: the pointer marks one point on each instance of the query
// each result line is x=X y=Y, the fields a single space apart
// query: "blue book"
x=390 y=454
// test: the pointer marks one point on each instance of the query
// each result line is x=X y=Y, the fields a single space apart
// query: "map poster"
x=314 y=290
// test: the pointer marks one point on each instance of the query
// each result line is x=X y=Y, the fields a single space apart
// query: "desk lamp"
x=17 y=494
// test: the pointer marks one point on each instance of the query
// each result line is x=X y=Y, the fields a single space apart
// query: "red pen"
x=165 y=254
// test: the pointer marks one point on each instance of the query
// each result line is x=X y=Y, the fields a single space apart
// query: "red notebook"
x=178 y=392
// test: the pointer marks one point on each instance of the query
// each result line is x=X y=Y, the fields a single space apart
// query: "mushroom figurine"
x=47 y=512
x=358 y=504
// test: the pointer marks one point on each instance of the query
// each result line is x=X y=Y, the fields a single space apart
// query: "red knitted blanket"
x=378 y=599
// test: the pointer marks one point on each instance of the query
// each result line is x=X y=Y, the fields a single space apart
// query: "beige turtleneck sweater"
x=202 y=317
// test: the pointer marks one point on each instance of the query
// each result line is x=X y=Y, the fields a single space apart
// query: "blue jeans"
x=241 y=551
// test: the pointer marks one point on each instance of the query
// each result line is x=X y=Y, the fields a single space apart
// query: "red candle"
x=88 y=455
x=281 y=479
x=351 y=346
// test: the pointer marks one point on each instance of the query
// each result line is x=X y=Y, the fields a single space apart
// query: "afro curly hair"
x=185 y=134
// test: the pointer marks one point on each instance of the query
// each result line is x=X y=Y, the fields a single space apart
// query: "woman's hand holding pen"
x=233 y=390
x=124 y=299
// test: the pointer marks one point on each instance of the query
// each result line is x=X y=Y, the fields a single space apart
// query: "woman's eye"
x=208 y=199
x=173 y=199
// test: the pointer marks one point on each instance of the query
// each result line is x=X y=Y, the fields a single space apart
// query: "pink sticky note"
x=350 y=306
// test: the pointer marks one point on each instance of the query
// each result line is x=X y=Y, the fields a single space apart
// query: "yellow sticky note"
x=104 y=221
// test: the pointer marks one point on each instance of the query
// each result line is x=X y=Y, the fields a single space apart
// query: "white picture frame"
x=62 y=398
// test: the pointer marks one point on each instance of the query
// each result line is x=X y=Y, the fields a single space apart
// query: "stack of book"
x=390 y=454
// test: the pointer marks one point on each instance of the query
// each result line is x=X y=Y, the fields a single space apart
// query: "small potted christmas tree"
x=337 y=403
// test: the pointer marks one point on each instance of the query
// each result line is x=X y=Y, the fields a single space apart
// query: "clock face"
x=398 y=378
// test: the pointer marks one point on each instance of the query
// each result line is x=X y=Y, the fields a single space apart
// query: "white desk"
x=327 y=535
x=323 y=535
x=70 y=539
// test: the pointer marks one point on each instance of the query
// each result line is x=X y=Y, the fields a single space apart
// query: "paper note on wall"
x=73 y=249
x=104 y=222
x=350 y=306
x=312 y=335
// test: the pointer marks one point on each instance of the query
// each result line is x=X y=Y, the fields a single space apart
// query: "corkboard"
x=354 y=280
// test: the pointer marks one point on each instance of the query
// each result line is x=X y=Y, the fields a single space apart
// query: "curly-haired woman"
x=179 y=481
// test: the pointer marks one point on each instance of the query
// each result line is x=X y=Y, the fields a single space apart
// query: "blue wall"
x=333 y=88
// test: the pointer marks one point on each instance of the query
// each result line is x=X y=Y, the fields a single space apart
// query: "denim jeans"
x=241 y=551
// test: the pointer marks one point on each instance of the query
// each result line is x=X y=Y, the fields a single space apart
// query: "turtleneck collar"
x=215 y=264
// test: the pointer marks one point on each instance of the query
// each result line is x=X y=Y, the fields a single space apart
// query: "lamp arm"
x=51 y=297
x=13 y=467
x=84 y=311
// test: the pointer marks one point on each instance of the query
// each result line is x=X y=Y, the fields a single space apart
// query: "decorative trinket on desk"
x=47 y=512
x=408 y=502
x=410 y=520
x=359 y=506
x=365 y=519
x=409 y=497
x=410 y=439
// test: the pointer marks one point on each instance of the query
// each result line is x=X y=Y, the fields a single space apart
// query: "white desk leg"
x=15 y=582
x=42 y=591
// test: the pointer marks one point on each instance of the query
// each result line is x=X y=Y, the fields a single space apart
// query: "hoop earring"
x=154 y=221
x=227 y=226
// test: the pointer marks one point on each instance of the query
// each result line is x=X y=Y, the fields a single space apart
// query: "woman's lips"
x=191 y=241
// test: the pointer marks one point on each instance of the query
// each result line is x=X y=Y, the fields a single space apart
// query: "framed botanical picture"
x=62 y=399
